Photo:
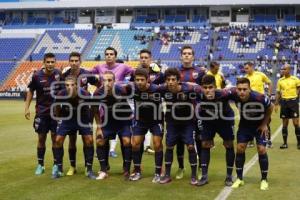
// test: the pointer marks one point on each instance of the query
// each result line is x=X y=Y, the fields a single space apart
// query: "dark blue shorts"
x=70 y=127
x=141 y=128
x=114 y=128
x=246 y=134
x=183 y=132
x=44 y=124
x=224 y=128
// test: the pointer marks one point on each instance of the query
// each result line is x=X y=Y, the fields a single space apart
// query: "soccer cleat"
x=203 y=181
x=135 y=176
x=269 y=144
x=149 y=150
x=283 y=146
x=126 y=175
x=264 y=185
x=193 y=181
x=56 y=173
x=165 y=179
x=113 y=154
x=90 y=175
x=238 y=182
x=71 y=171
x=228 y=181
x=54 y=170
x=101 y=175
x=156 y=178
x=180 y=173
x=39 y=170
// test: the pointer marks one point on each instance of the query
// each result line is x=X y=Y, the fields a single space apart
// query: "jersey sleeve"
x=266 y=101
x=298 y=82
x=265 y=78
x=278 y=88
x=33 y=83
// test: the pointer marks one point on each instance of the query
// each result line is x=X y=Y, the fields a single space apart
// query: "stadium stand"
x=14 y=48
x=127 y=43
x=169 y=43
x=62 y=42
x=5 y=69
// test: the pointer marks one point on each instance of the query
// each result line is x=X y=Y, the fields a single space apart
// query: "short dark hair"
x=187 y=47
x=208 y=79
x=243 y=80
x=251 y=64
x=75 y=54
x=146 y=51
x=111 y=73
x=172 y=71
x=71 y=78
x=48 y=55
x=141 y=72
x=214 y=64
x=112 y=49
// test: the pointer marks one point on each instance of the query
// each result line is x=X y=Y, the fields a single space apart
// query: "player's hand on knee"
x=263 y=129
x=99 y=133
x=27 y=114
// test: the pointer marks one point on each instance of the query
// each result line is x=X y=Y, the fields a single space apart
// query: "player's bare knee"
x=190 y=147
x=207 y=144
x=241 y=148
x=261 y=149
x=126 y=141
x=88 y=140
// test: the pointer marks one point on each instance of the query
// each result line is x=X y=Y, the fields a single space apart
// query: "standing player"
x=214 y=71
x=287 y=93
x=148 y=115
x=255 y=110
x=112 y=109
x=188 y=73
x=180 y=121
x=43 y=123
x=258 y=80
x=217 y=117
x=76 y=70
x=78 y=120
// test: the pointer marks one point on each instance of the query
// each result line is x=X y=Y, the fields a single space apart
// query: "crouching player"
x=180 y=101
x=255 y=110
x=217 y=117
x=113 y=117
x=148 y=115
x=68 y=104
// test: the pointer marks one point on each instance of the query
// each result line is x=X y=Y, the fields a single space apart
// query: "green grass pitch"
x=18 y=162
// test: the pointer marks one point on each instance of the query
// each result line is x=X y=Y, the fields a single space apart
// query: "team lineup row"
x=176 y=85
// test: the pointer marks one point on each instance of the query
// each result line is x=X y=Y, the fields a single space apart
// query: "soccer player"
x=214 y=71
x=122 y=72
x=255 y=110
x=180 y=121
x=287 y=93
x=217 y=117
x=43 y=123
x=188 y=73
x=148 y=117
x=74 y=119
x=76 y=70
x=155 y=77
x=258 y=80
x=111 y=109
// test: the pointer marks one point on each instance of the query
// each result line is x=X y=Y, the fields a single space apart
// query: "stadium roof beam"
x=63 y=4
